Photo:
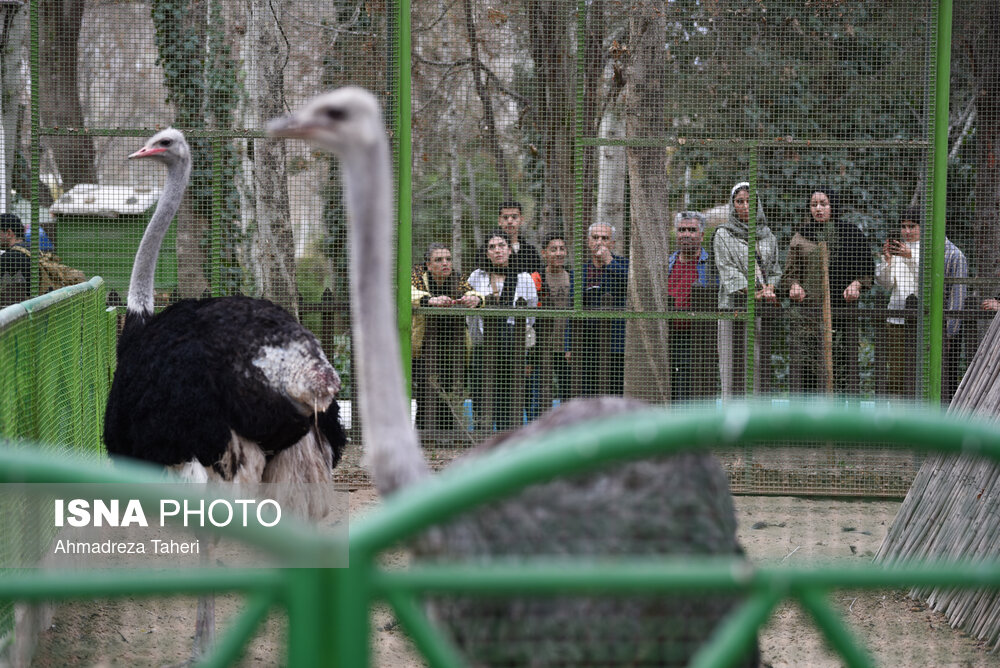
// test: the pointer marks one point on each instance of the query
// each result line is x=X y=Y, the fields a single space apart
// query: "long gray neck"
x=392 y=447
x=140 y=287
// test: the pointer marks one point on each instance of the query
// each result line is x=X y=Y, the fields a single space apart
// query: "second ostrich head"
x=348 y=122
x=166 y=146
x=337 y=121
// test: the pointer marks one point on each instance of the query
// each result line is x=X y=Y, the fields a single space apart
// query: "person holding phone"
x=898 y=272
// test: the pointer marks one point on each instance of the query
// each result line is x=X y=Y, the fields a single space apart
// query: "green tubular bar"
x=638 y=577
x=939 y=179
x=737 y=632
x=328 y=622
x=232 y=644
x=836 y=632
x=55 y=586
x=589 y=445
x=432 y=645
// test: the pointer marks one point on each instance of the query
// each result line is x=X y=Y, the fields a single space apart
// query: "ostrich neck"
x=140 y=287
x=393 y=450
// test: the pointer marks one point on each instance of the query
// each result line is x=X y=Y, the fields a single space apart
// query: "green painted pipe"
x=934 y=329
x=56 y=586
x=646 y=576
x=404 y=203
x=591 y=444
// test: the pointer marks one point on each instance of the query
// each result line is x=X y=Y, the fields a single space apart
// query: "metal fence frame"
x=328 y=610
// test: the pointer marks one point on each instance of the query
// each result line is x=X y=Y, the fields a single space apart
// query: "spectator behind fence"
x=44 y=242
x=690 y=277
x=598 y=344
x=498 y=343
x=955 y=266
x=898 y=272
x=848 y=270
x=549 y=357
x=523 y=256
x=15 y=263
x=731 y=248
x=991 y=303
x=439 y=342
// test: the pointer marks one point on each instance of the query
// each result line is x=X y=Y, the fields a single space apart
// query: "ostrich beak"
x=290 y=127
x=146 y=152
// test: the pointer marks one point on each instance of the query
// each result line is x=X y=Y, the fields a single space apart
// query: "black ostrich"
x=677 y=505
x=230 y=389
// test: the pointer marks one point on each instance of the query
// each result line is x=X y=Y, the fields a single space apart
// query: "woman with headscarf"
x=732 y=252
x=498 y=343
x=847 y=270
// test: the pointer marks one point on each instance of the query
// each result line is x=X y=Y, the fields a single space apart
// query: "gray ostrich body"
x=672 y=505
x=229 y=389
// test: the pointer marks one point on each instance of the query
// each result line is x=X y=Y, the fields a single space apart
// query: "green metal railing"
x=57 y=353
x=328 y=610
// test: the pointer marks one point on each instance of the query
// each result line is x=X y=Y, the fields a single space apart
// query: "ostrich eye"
x=336 y=114
x=166 y=142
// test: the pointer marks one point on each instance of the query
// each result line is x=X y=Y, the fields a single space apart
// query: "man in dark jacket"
x=599 y=350
x=15 y=263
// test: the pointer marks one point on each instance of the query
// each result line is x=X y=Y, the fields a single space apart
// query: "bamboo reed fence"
x=951 y=509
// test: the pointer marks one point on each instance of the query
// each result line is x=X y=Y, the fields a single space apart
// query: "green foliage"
x=202 y=81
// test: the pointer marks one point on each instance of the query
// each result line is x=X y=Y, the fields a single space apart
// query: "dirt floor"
x=774 y=530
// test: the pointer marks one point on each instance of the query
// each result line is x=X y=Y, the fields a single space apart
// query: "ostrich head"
x=167 y=146
x=337 y=121
x=348 y=123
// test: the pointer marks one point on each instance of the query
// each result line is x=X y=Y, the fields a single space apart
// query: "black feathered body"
x=192 y=375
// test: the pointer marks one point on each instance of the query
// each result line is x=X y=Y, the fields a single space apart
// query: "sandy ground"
x=774 y=530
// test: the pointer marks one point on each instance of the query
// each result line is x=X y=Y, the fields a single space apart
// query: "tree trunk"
x=455 y=178
x=483 y=91
x=611 y=171
x=58 y=89
x=180 y=36
x=987 y=188
x=553 y=108
x=647 y=365
x=13 y=24
x=593 y=73
x=272 y=246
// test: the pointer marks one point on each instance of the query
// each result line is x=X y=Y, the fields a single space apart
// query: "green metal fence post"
x=36 y=150
x=216 y=233
x=750 y=372
x=404 y=202
x=307 y=626
x=349 y=592
x=939 y=177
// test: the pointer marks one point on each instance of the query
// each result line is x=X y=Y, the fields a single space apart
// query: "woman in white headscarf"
x=731 y=250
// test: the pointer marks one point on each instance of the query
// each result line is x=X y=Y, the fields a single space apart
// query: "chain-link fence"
x=677 y=201
x=604 y=145
x=57 y=355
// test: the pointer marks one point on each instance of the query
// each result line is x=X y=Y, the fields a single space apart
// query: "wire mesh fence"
x=57 y=360
x=604 y=144
x=681 y=202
